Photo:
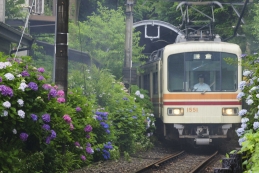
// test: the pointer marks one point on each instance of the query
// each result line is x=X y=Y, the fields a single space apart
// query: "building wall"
x=2 y=11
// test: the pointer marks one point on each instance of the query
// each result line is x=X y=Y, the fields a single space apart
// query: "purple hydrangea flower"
x=53 y=134
x=88 y=145
x=25 y=74
x=52 y=93
x=41 y=70
x=87 y=136
x=77 y=144
x=33 y=86
x=46 y=118
x=48 y=140
x=88 y=128
x=46 y=127
x=1 y=79
x=89 y=150
x=6 y=91
x=67 y=118
x=83 y=157
x=46 y=86
x=34 y=117
x=24 y=136
x=78 y=109
x=41 y=78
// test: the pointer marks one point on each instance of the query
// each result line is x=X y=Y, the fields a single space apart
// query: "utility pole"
x=61 y=45
x=128 y=44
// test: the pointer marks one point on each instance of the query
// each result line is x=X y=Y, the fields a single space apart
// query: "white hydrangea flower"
x=137 y=93
x=240 y=95
x=5 y=113
x=23 y=86
x=257 y=95
x=241 y=140
x=21 y=113
x=246 y=73
x=240 y=131
x=254 y=78
x=2 y=65
x=242 y=112
x=141 y=96
x=19 y=75
x=20 y=102
x=7 y=104
x=256 y=125
x=256 y=116
x=250 y=101
x=151 y=115
x=242 y=85
x=9 y=76
x=7 y=64
x=244 y=125
x=14 y=131
x=244 y=120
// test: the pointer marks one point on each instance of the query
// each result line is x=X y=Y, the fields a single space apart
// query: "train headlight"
x=175 y=111
x=229 y=111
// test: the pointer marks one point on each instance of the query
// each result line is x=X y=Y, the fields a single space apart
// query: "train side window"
x=155 y=83
x=146 y=82
x=228 y=73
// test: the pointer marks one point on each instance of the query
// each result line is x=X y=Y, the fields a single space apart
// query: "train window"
x=176 y=72
x=184 y=70
x=155 y=83
x=146 y=82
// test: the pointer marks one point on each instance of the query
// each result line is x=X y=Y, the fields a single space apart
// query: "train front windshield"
x=202 y=71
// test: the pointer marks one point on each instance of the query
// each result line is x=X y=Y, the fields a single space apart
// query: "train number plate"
x=192 y=109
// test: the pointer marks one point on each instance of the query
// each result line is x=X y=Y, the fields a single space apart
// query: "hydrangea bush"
x=37 y=121
x=42 y=130
x=249 y=131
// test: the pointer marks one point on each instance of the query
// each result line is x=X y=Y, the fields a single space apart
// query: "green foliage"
x=13 y=9
x=103 y=36
x=131 y=115
x=127 y=156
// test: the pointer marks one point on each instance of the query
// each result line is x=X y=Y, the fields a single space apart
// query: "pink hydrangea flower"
x=67 y=118
x=61 y=100
x=60 y=93
x=71 y=126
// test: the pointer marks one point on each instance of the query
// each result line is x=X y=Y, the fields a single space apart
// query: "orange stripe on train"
x=200 y=96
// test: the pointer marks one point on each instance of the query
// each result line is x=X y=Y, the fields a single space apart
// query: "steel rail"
x=157 y=163
x=198 y=167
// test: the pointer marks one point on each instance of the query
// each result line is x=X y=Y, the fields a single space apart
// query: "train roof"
x=193 y=46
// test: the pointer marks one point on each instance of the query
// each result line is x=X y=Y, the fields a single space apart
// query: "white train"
x=190 y=110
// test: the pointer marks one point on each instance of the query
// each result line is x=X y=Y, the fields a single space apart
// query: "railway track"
x=180 y=162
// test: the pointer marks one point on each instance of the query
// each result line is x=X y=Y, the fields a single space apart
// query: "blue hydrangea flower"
x=33 y=86
x=240 y=131
x=53 y=134
x=242 y=85
x=34 y=117
x=242 y=112
x=46 y=118
x=46 y=127
x=240 y=95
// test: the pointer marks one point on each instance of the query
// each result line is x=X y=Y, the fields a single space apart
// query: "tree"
x=103 y=36
x=14 y=9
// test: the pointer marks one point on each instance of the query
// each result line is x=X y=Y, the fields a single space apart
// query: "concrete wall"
x=2 y=11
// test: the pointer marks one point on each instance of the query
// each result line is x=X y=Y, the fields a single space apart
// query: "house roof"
x=13 y=35
x=73 y=55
